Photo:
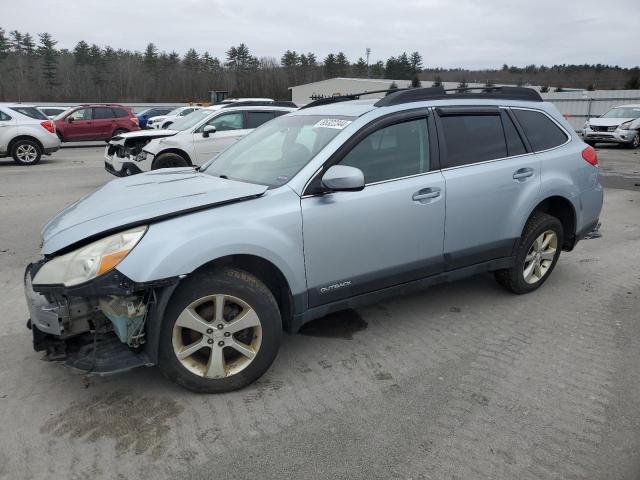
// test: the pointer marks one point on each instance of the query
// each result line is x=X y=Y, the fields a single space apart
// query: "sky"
x=460 y=33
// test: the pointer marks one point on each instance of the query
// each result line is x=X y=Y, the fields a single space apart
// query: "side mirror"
x=341 y=178
x=208 y=130
x=70 y=119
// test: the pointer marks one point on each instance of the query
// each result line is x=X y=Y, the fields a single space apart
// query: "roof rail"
x=439 y=93
x=345 y=98
x=258 y=103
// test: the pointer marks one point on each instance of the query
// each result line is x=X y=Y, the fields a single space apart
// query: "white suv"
x=26 y=134
x=192 y=140
x=164 y=121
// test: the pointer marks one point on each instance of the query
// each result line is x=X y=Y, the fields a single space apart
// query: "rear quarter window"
x=30 y=112
x=540 y=130
x=120 y=113
x=4 y=117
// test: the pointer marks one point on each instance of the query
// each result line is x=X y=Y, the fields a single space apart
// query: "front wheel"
x=635 y=143
x=536 y=256
x=221 y=332
x=169 y=160
x=26 y=152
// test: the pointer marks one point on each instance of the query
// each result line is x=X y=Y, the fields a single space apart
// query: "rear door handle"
x=426 y=194
x=523 y=173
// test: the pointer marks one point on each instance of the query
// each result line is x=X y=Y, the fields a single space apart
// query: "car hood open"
x=141 y=199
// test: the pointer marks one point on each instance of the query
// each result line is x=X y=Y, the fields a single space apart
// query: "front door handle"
x=523 y=173
x=426 y=194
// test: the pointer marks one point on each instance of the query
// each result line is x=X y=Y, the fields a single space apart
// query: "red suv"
x=95 y=122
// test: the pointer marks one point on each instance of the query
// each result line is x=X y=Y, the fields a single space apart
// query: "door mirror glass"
x=70 y=119
x=343 y=178
x=208 y=130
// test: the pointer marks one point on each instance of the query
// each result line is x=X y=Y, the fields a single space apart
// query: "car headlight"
x=141 y=156
x=90 y=261
x=626 y=125
x=586 y=125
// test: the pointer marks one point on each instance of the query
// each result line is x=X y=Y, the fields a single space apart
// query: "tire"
x=635 y=143
x=169 y=160
x=540 y=228
x=244 y=296
x=26 y=152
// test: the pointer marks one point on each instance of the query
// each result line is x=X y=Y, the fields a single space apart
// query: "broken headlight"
x=89 y=261
x=141 y=156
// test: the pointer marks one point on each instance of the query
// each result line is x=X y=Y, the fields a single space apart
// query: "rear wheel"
x=169 y=160
x=26 y=152
x=536 y=257
x=221 y=332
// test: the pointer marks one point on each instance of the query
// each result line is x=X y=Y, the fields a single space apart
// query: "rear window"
x=472 y=139
x=30 y=112
x=120 y=112
x=540 y=130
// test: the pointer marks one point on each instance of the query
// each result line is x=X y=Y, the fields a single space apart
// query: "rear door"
x=230 y=127
x=104 y=122
x=387 y=234
x=491 y=178
x=7 y=130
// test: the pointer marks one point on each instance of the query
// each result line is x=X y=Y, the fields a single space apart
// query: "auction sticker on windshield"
x=332 y=123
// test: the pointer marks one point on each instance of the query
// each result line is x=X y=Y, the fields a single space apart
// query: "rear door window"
x=102 y=113
x=30 y=112
x=540 y=130
x=515 y=145
x=472 y=139
x=255 y=119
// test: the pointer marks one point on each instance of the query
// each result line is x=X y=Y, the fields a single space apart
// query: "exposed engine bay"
x=131 y=144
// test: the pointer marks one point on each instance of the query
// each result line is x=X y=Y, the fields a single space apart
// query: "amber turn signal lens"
x=110 y=261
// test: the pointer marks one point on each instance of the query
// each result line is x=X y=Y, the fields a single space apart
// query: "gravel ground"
x=462 y=381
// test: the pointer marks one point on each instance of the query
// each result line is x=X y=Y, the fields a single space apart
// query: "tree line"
x=36 y=69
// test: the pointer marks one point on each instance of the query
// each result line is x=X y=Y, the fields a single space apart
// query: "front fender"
x=269 y=227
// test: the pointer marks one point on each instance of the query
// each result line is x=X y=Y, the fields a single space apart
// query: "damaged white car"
x=191 y=140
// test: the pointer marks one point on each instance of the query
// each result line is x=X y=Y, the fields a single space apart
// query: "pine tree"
x=342 y=65
x=49 y=55
x=377 y=70
x=4 y=44
x=393 y=86
x=81 y=53
x=415 y=60
x=415 y=82
x=290 y=59
x=360 y=68
x=330 y=66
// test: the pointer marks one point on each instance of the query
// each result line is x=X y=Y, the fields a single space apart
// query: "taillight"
x=49 y=126
x=590 y=155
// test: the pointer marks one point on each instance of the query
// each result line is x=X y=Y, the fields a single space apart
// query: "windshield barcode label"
x=332 y=123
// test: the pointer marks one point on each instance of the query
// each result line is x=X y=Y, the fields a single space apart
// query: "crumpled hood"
x=139 y=199
x=141 y=134
x=608 y=122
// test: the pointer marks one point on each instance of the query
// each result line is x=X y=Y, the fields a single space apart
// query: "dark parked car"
x=95 y=122
x=145 y=115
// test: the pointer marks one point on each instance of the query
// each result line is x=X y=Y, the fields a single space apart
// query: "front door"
x=387 y=234
x=79 y=125
x=491 y=180
x=229 y=128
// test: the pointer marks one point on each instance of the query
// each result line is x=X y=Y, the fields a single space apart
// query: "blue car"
x=151 y=112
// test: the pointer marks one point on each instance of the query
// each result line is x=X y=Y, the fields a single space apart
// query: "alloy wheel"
x=27 y=153
x=217 y=336
x=540 y=257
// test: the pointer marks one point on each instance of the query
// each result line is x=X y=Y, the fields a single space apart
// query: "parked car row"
x=619 y=125
x=192 y=139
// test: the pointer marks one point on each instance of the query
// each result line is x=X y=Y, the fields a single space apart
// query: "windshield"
x=188 y=121
x=273 y=153
x=623 y=112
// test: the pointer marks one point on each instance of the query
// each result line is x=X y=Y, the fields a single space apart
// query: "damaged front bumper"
x=102 y=325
